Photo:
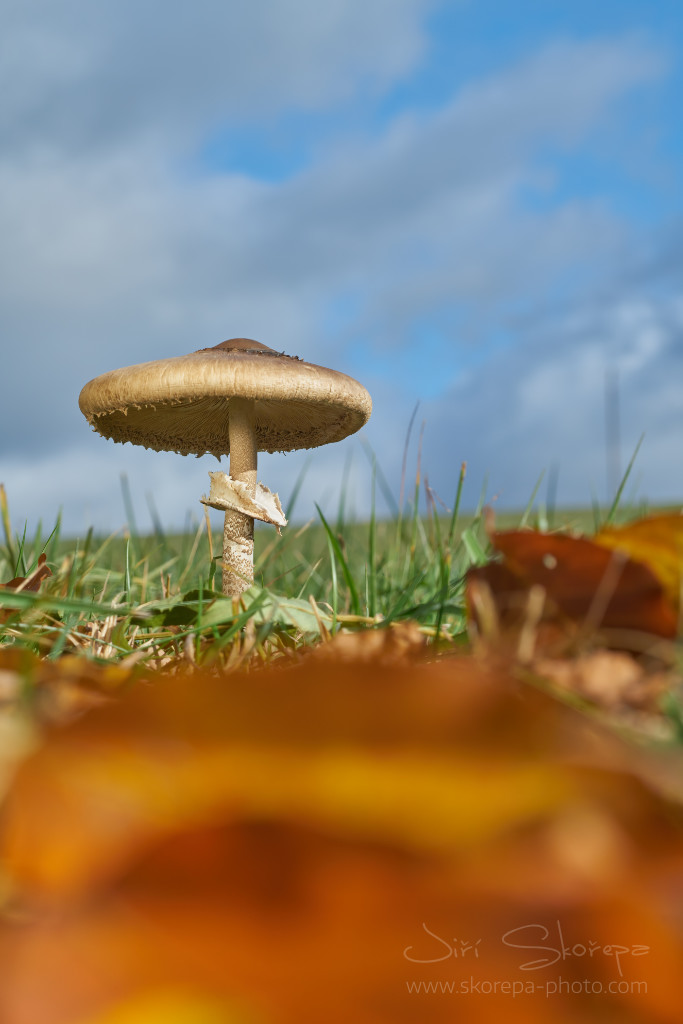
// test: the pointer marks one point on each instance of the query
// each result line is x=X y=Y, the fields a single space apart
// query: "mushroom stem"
x=238 y=531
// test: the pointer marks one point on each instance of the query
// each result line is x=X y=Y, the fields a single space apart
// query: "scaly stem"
x=238 y=532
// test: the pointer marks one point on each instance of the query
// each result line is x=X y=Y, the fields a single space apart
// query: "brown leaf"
x=584 y=583
x=33 y=580
x=612 y=679
x=387 y=644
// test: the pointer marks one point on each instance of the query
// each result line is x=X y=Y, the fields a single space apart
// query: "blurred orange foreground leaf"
x=340 y=842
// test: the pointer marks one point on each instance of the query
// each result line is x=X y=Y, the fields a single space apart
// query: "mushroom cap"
x=183 y=404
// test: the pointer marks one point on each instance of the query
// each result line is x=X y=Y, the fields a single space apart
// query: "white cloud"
x=113 y=254
x=83 y=74
x=543 y=406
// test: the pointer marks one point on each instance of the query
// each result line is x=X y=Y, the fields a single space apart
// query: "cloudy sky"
x=471 y=204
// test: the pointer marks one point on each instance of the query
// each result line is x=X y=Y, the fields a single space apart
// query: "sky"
x=473 y=207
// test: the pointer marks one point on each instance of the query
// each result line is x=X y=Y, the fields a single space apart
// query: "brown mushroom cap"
x=182 y=404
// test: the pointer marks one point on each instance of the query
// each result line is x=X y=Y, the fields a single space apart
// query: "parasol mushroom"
x=235 y=399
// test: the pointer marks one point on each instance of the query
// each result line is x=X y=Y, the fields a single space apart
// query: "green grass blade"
x=404 y=464
x=530 y=503
x=61 y=605
x=6 y=525
x=20 y=564
x=482 y=498
x=551 y=494
x=371 y=585
x=343 y=493
x=130 y=513
x=346 y=572
x=617 y=497
x=384 y=487
x=127 y=586
x=456 y=504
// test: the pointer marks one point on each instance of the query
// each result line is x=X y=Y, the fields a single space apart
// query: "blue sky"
x=473 y=205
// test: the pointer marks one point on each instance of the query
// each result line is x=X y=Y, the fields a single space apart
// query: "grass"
x=116 y=596
x=131 y=600
x=131 y=597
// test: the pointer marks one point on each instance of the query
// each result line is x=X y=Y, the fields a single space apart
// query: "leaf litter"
x=599 y=615
x=183 y=842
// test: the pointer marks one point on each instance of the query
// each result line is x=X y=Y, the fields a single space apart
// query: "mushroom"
x=237 y=398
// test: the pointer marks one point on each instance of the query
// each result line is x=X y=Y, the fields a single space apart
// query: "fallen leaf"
x=392 y=644
x=31 y=583
x=33 y=580
x=326 y=842
x=611 y=679
x=596 y=589
x=173 y=1005
x=656 y=541
x=57 y=690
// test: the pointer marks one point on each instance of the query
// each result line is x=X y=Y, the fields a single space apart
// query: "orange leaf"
x=656 y=541
x=303 y=845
